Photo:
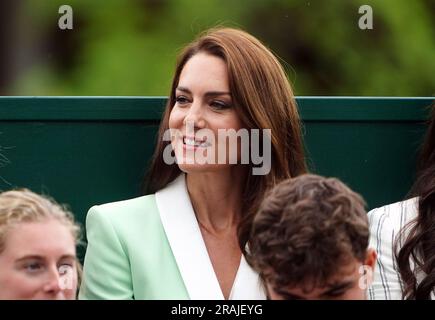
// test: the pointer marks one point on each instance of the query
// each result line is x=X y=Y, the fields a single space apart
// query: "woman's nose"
x=195 y=116
x=53 y=284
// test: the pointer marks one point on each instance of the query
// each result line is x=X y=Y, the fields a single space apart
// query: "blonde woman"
x=37 y=248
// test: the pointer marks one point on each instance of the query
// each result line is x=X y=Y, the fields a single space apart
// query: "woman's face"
x=203 y=108
x=38 y=262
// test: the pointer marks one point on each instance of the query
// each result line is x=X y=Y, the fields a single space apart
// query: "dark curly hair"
x=304 y=229
x=416 y=242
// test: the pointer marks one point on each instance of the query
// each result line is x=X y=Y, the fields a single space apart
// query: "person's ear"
x=371 y=257
x=369 y=264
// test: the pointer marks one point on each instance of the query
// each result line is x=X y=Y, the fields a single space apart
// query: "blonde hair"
x=18 y=206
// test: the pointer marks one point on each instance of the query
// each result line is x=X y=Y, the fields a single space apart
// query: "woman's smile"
x=192 y=143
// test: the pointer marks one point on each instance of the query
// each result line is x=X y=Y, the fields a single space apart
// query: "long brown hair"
x=263 y=99
x=419 y=245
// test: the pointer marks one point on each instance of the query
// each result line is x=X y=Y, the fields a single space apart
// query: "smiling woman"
x=203 y=102
x=187 y=238
x=37 y=248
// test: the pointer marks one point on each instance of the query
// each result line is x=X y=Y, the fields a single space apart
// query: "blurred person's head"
x=37 y=248
x=228 y=79
x=310 y=241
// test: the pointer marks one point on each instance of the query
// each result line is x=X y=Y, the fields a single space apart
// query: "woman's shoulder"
x=129 y=204
x=396 y=214
x=129 y=211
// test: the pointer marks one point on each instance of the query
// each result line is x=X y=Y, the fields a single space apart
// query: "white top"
x=385 y=225
x=190 y=252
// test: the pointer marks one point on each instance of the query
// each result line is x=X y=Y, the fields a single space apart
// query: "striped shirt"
x=385 y=224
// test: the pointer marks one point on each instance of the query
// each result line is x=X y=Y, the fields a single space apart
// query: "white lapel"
x=187 y=244
x=247 y=285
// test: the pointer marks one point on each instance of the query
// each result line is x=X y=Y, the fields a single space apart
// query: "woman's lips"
x=195 y=143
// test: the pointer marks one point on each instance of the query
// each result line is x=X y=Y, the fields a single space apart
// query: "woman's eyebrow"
x=41 y=258
x=183 y=89
x=29 y=257
x=207 y=94
x=216 y=93
x=68 y=256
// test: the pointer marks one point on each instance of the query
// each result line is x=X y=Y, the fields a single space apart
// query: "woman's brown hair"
x=419 y=235
x=263 y=99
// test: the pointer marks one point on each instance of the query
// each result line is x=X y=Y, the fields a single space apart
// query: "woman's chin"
x=201 y=168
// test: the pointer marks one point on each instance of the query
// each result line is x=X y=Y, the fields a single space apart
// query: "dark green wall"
x=91 y=150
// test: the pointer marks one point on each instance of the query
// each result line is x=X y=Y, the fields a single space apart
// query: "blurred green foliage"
x=129 y=47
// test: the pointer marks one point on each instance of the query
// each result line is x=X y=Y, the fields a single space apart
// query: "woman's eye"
x=33 y=267
x=65 y=269
x=219 y=105
x=181 y=100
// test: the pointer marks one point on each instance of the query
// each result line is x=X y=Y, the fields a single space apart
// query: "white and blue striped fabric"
x=385 y=225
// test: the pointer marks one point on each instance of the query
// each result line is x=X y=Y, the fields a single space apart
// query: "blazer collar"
x=188 y=247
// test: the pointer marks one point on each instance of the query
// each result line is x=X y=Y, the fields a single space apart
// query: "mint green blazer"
x=151 y=247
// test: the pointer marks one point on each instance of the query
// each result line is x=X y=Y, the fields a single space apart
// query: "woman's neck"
x=217 y=198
